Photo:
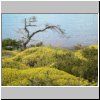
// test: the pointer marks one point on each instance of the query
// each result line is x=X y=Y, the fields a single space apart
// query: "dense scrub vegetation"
x=40 y=77
x=10 y=44
x=47 y=66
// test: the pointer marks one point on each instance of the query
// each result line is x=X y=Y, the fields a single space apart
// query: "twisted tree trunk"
x=29 y=36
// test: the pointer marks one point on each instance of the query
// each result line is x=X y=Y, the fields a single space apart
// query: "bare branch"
x=22 y=31
x=59 y=29
x=26 y=29
x=32 y=19
x=29 y=23
x=48 y=27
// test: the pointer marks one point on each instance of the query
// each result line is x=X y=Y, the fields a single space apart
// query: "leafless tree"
x=27 y=36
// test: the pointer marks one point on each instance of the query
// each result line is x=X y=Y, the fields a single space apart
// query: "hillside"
x=47 y=66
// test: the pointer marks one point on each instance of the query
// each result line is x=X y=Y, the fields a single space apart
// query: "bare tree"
x=27 y=36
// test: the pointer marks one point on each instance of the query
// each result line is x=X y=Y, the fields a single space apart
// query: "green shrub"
x=90 y=51
x=40 y=77
x=10 y=44
x=20 y=82
x=9 y=75
x=88 y=68
x=67 y=61
x=8 y=53
x=38 y=56
x=8 y=63
x=81 y=63
x=39 y=59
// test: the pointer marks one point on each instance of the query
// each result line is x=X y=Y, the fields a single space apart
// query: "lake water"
x=79 y=28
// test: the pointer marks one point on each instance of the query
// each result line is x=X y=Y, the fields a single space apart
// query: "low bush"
x=40 y=77
x=88 y=68
x=8 y=53
x=10 y=44
x=80 y=63
x=8 y=63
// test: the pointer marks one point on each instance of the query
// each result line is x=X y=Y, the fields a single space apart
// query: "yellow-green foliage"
x=8 y=53
x=9 y=75
x=41 y=77
x=90 y=51
x=80 y=63
x=89 y=63
x=44 y=56
x=8 y=63
x=79 y=55
x=91 y=66
x=38 y=56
